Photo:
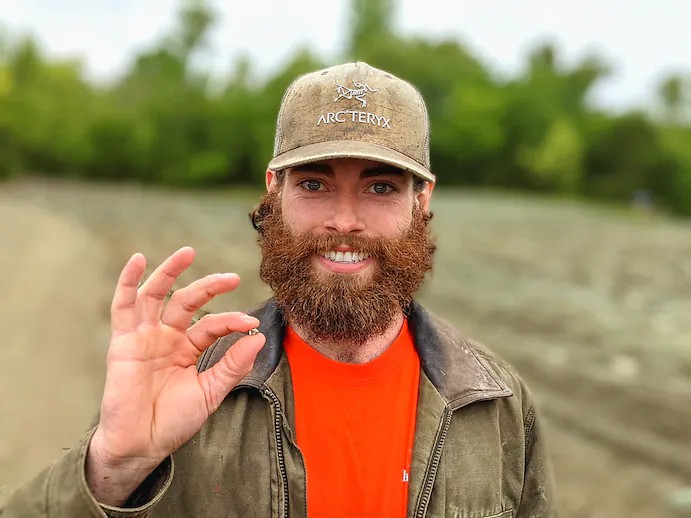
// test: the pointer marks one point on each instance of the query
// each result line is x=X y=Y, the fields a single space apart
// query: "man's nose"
x=345 y=216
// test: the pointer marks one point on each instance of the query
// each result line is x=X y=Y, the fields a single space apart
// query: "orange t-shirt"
x=355 y=426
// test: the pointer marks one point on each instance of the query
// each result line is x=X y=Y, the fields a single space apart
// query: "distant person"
x=351 y=400
x=643 y=202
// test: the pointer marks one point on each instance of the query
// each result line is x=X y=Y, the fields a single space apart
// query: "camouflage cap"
x=353 y=111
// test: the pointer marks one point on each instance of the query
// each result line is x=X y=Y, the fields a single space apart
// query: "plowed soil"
x=592 y=305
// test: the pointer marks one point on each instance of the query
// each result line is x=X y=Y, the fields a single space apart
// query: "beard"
x=343 y=308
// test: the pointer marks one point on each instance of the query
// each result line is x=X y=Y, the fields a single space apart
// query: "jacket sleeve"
x=61 y=491
x=538 y=499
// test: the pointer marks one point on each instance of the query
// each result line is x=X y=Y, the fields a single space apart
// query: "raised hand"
x=154 y=399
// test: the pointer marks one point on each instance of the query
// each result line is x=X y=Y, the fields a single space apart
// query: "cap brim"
x=348 y=149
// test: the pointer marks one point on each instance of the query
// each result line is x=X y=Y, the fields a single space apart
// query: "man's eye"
x=312 y=185
x=381 y=188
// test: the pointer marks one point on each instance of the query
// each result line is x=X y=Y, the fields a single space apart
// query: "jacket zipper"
x=279 y=446
x=432 y=470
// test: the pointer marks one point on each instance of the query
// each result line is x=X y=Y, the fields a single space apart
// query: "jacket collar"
x=457 y=370
x=272 y=325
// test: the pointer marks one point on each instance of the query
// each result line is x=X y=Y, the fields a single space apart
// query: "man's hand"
x=154 y=399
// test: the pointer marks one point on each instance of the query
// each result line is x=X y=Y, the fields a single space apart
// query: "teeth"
x=345 y=257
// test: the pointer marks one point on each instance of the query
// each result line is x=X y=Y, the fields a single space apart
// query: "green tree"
x=625 y=155
x=676 y=189
x=166 y=120
x=539 y=101
x=371 y=21
x=674 y=94
x=156 y=126
x=196 y=18
x=45 y=112
x=557 y=163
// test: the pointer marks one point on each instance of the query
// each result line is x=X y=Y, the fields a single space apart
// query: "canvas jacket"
x=478 y=447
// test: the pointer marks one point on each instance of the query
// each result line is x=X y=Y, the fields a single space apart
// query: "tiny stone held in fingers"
x=253 y=331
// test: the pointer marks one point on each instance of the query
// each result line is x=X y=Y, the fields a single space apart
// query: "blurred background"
x=562 y=144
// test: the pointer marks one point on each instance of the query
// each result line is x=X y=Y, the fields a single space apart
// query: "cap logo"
x=359 y=117
x=359 y=92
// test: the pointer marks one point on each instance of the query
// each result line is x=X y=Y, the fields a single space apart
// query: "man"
x=351 y=400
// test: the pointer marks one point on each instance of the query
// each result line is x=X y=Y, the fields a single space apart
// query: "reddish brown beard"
x=341 y=308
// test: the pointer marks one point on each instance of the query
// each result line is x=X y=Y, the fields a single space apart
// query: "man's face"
x=349 y=197
x=345 y=245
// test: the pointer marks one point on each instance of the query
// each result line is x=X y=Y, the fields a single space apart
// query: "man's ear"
x=270 y=179
x=422 y=199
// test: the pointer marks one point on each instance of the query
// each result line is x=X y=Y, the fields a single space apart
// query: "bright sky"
x=643 y=39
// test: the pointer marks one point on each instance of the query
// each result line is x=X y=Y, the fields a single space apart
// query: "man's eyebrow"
x=316 y=167
x=313 y=168
x=384 y=170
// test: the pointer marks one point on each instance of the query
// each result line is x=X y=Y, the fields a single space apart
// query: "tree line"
x=166 y=121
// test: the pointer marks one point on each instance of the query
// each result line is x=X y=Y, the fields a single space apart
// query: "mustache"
x=305 y=245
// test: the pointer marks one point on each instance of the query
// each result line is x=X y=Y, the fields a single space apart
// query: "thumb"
x=235 y=364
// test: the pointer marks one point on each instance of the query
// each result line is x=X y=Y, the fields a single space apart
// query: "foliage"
x=167 y=121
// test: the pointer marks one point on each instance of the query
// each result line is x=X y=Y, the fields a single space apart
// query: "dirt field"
x=591 y=305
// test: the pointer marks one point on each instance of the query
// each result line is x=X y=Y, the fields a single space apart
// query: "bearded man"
x=351 y=399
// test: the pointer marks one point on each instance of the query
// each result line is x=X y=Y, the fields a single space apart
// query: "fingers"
x=122 y=311
x=235 y=364
x=132 y=306
x=212 y=327
x=186 y=301
x=153 y=291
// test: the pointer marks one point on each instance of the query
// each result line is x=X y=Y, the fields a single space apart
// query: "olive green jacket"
x=478 y=451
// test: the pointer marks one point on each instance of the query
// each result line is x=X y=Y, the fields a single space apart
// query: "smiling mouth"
x=345 y=257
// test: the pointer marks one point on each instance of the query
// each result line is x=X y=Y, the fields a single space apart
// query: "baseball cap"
x=353 y=111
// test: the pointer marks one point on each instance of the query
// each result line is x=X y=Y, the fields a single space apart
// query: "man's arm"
x=538 y=499
x=61 y=491
x=154 y=398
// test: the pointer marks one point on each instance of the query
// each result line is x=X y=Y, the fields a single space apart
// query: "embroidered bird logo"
x=359 y=92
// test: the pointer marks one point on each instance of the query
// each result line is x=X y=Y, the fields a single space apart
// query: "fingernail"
x=226 y=275
x=249 y=319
